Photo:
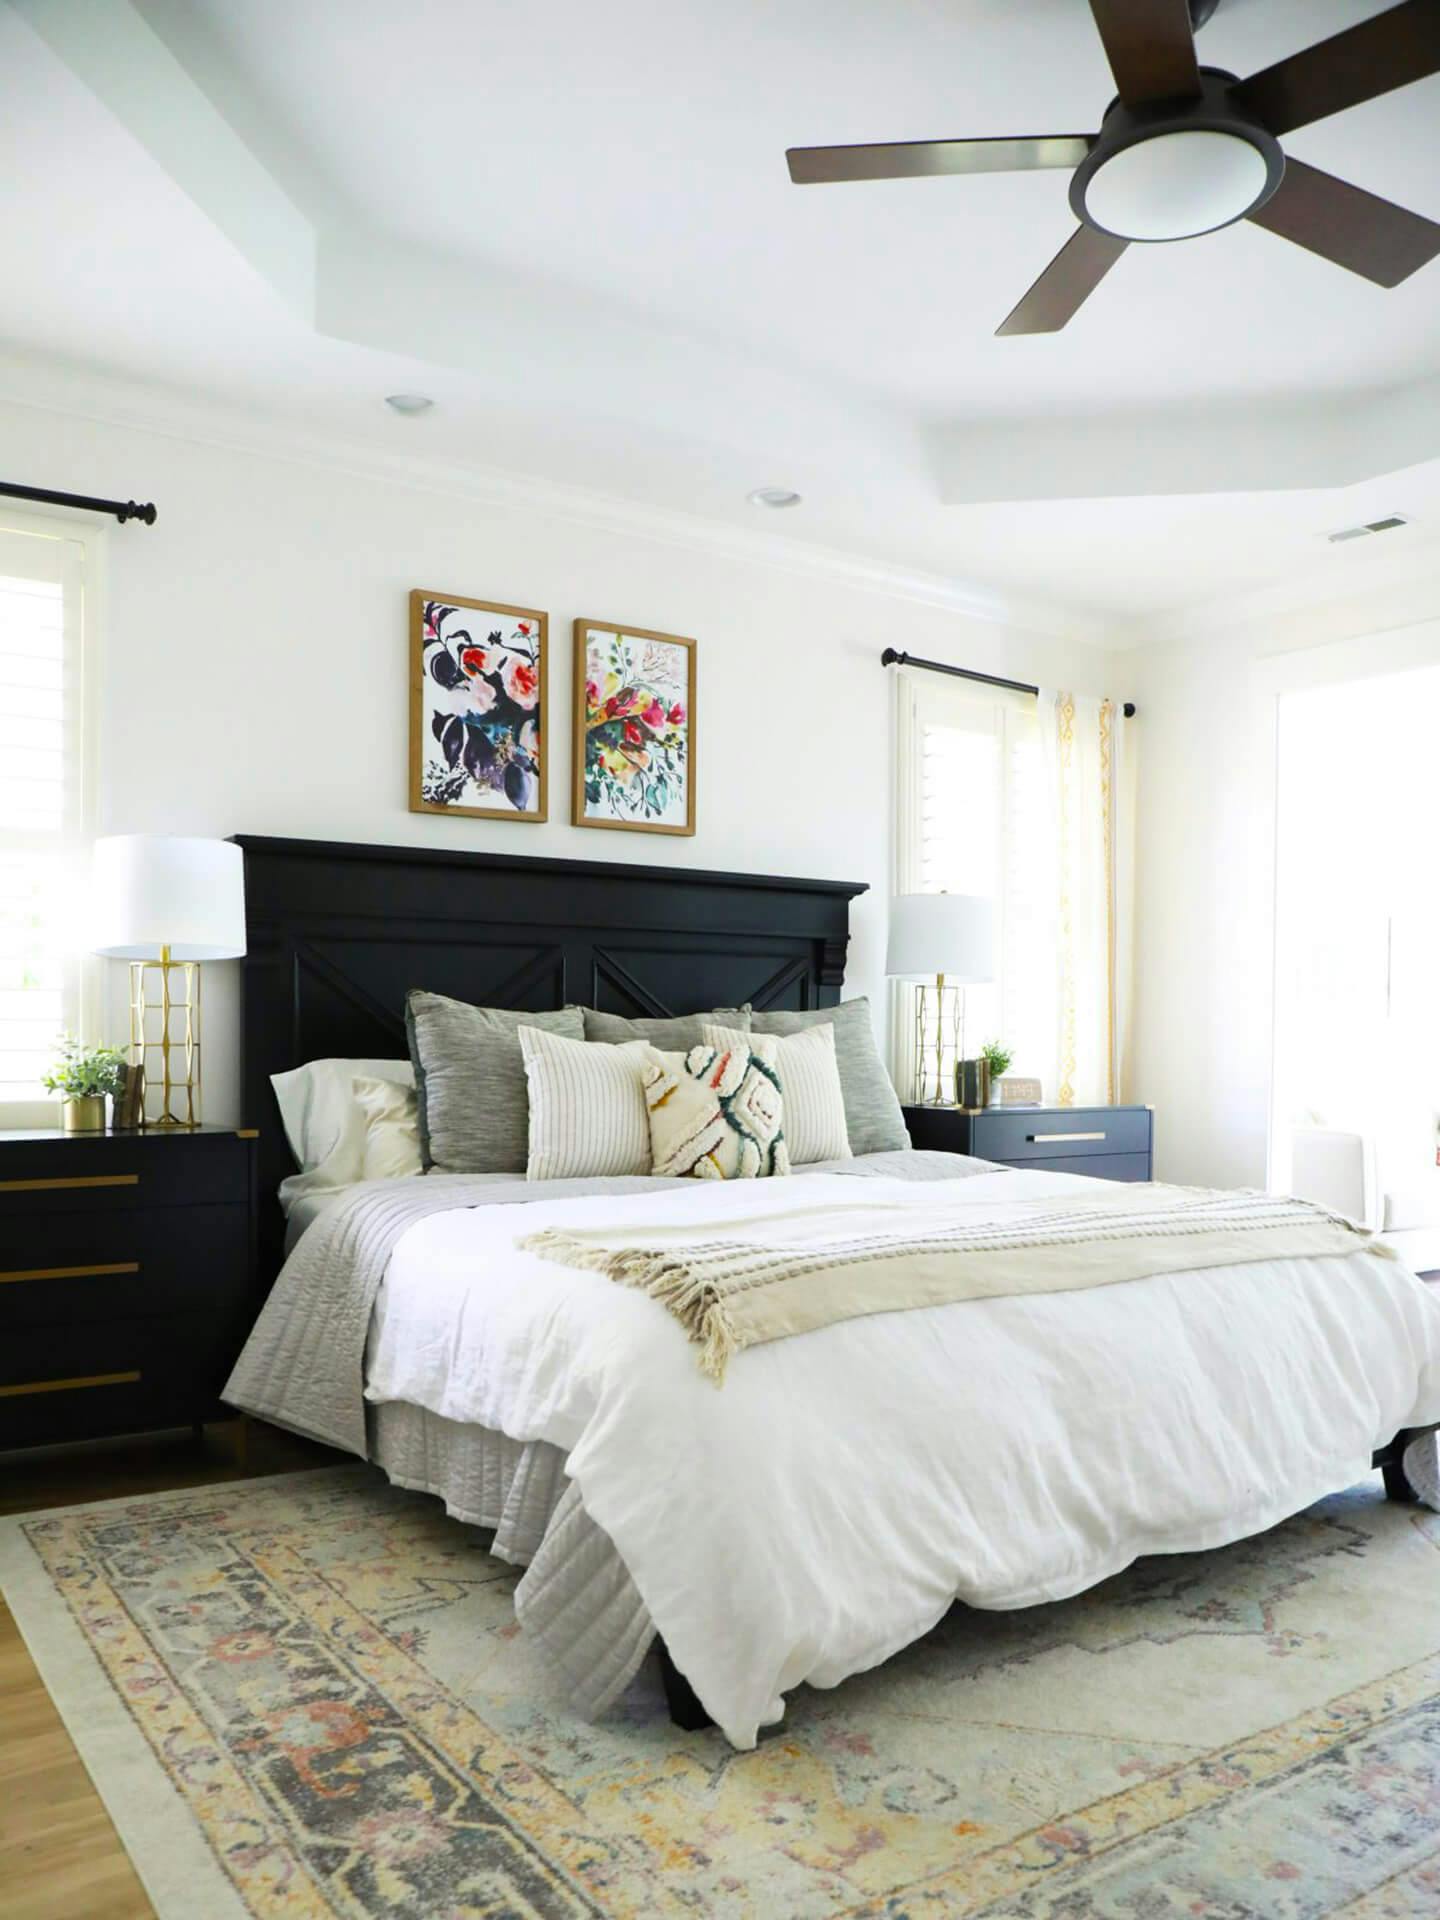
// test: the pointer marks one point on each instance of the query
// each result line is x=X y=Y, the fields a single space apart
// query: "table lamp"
x=165 y=903
x=949 y=937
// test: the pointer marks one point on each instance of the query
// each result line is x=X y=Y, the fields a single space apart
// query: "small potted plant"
x=998 y=1059
x=83 y=1077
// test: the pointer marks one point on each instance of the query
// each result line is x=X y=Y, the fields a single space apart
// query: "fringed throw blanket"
x=765 y=1276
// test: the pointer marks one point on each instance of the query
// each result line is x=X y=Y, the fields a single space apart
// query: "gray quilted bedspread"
x=303 y=1366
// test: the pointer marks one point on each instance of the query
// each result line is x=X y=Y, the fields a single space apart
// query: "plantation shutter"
x=973 y=815
x=44 y=808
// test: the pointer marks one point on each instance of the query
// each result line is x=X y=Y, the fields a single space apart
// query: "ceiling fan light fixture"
x=1186 y=148
x=1175 y=185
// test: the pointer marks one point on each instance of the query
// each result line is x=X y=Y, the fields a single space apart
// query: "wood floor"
x=60 y=1857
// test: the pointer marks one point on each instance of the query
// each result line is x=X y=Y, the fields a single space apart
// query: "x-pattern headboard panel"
x=338 y=933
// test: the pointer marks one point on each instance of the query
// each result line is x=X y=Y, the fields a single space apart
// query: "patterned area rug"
x=307 y=1696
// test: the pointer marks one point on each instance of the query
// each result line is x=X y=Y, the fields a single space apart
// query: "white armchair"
x=1347 y=1171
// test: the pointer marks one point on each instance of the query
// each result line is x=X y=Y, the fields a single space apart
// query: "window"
x=45 y=800
x=1357 y=923
x=973 y=816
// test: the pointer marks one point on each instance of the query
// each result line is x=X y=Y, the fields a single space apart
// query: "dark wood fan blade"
x=1150 y=45
x=1069 y=280
x=1345 y=224
x=917 y=159
x=1396 y=47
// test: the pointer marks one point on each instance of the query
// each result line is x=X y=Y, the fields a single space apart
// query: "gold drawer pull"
x=65 y=1386
x=89 y=1180
x=1036 y=1138
x=69 y=1273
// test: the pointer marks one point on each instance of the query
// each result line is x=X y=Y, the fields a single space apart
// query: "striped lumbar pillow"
x=809 y=1079
x=873 y=1118
x=587 y=1107
x=715 y=1114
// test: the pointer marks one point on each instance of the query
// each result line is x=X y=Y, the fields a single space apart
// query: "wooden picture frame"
x=478 y=708
x=653 y=724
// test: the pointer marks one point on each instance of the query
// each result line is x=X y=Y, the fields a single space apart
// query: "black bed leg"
x=1391 y=1462
x=685 y=1709
x=1397 y=1482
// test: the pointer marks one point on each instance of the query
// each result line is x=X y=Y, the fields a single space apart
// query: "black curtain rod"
x=123 y=510
x=890 y=658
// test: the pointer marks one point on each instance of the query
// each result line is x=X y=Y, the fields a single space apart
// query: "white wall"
x=254 y=669
x=1205 y=882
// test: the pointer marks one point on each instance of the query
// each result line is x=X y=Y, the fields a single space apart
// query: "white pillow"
x=587 y=1106
x=325 y=1124
x=392 y=1130
x=809 y=1079
x=317 y=1101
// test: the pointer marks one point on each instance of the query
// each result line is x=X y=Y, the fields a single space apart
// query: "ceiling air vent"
x=1387 y=524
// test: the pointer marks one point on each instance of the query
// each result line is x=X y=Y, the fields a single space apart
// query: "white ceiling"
x=572 y=224
x=635 y=152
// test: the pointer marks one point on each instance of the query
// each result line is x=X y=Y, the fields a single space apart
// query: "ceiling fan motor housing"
x=1172 y=169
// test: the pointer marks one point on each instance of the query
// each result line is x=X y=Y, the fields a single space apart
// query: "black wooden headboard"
x=337 y=934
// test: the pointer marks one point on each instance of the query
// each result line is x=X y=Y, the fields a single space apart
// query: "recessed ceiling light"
x=773 y=497
x=409 y=402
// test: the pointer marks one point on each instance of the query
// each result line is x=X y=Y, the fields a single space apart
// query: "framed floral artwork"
x=477 y=708
x=634 y=757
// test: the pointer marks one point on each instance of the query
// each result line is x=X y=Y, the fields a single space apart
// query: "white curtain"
x=1083 y=744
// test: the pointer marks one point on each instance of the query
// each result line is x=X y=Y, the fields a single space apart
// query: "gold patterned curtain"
x=1084 y=742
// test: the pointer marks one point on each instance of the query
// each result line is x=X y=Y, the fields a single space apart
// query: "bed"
x=845 y=1486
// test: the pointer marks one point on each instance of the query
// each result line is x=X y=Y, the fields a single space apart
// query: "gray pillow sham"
x=678 y=1035
x=873 y=1118
x=474 y=1109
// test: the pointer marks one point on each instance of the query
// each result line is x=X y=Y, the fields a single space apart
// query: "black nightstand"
x=1108 y=1143
x=127 y=1279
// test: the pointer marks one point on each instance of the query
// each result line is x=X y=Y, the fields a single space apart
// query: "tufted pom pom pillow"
x=716 y=1113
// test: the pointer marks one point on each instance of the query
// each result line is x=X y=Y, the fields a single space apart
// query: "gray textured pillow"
x=474 y=1110
x=686 y=1030
x=873 y=1118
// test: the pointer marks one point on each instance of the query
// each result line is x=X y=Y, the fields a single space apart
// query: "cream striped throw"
x=809 y=1079
x=737 y=1281
x=587 y=1107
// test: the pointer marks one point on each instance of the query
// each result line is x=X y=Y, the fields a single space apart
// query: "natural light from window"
x=43 y=800
x=974 y=818
x=1357 y=1027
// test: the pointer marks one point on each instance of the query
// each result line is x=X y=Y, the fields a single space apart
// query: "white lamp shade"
x=156 y=890
x=949 y=933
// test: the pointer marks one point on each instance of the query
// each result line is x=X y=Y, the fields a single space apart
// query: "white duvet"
x=827 y=1504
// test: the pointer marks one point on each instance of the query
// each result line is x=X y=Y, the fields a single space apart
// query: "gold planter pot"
x=85 y=1115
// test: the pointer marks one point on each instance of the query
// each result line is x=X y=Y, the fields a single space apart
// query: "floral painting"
x=477 y=708
x=634 y=729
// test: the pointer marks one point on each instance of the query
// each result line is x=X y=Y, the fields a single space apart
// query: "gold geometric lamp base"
x=165 y=1039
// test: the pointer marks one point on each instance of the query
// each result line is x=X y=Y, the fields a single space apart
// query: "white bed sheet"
x=303 y=1209
x=826 y=1506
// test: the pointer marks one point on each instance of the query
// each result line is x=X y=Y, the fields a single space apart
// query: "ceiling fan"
x=1186 y=149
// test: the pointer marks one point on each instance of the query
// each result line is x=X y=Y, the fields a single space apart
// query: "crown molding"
x=166 y=413
x=1323 y=441
x=1385 y=592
